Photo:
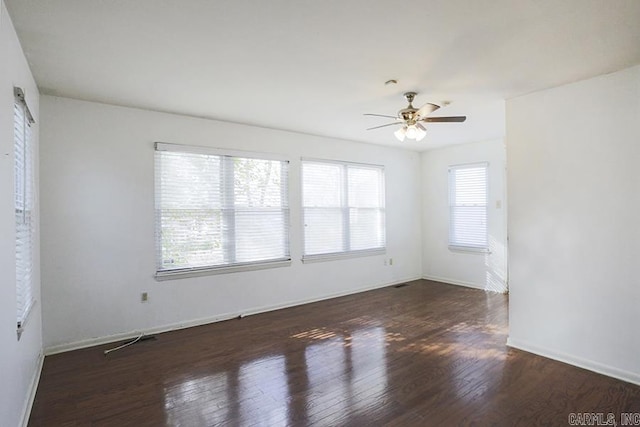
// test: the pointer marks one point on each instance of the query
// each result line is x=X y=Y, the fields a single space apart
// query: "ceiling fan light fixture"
x=400 y=133
x=412 y=132
x=421 y=132
x=410 y=119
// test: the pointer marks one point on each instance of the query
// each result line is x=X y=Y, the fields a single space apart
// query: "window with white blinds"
x=343 y=208
x=216 y=211
x=23 y=203
x=468 y=206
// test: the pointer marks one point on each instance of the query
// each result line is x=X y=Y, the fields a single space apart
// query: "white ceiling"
x=317 y=66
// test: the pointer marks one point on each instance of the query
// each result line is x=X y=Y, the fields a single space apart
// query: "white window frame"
x=454 y=245
x=306 y=259
x=178 y=273
x=25 y=208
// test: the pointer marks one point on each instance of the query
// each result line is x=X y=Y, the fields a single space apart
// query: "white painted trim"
x=209 y=271
x=343 y=255
x=22 y=324
x=195 y=149
x=206 y=320
x=453 y=282
x=610 y=371
x=469 y=250
x=340 y=162
x=28 y=404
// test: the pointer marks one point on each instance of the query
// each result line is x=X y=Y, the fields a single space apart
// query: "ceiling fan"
x=411 y=119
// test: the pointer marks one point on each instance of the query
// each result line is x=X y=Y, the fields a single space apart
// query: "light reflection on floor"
x=338 y=373
x=346 y=378
x=343 y=372
x=184 y=400
x=326 y=375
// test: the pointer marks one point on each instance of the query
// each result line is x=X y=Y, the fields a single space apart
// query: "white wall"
x=19 y=360
x=479 y=270
x=574 y=239
x=98 y=224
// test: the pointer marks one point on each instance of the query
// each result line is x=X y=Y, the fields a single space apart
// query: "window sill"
x=471 y=250
x=23 y=324
x=209 y=271
x=342 y=255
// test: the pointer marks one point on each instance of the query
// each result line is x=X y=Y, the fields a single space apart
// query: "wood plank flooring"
x=426 y=354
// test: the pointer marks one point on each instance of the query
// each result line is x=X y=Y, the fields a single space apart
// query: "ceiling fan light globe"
x=421 y=135
x=400 y=133
x=412 y=132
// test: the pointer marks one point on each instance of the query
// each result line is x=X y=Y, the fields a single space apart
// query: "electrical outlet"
x=144 y=297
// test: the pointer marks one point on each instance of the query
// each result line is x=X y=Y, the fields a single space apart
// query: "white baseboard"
x=590 y=365
x=453 y=282
x=206 y=320
x=33 y=387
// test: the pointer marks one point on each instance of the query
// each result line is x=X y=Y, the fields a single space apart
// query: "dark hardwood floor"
x=426 y=354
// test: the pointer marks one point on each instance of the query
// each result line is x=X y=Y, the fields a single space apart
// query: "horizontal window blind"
x=343 y=207
x=468 y=206
x=24 y=203
x=215 y=210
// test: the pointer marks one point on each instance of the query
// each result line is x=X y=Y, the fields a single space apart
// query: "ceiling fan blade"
x=382 y=126
x=451 y=119
x=427 y=109
x=381 y=115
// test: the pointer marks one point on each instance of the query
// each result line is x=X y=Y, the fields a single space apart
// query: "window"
x=219 y=212
x=468 y=207
x=343 y=208
x=23 y=203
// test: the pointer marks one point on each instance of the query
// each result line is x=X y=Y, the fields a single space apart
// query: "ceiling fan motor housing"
x=409 y=114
